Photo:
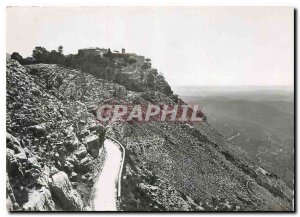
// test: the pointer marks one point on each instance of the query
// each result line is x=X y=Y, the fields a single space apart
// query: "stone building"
x=139 y=59
x=92 y=51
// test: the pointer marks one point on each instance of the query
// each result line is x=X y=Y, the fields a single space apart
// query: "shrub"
x=16 y=56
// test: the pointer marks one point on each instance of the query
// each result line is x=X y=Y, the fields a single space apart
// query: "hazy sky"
x=189 y=45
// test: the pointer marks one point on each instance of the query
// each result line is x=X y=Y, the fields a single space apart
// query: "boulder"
x=81 y=152
x=72 y=159
x=71 y=142
x=84 y=132
x=11 y=139
x=87 y=208
x=83 y=178
x=21 y=157
x=53 y=171
x=13 y=166
x=93 y=144
x=13 y=143
x=34 y=163
x=11 y=203
x=38 y=130
x=98 y=130
x=36 y=92
x=39 y=200
x=84 y=165
x=68 y=167
x=92 y=109
x=62 y=190
x=43 y=180
x=73 y=176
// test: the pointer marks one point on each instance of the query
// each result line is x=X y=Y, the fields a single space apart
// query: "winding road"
x=108 y=185
x=231 y=138
x=260 y=154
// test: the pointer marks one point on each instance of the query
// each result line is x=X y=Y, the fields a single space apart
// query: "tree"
x=150 y=79
x=29 y=60
x=18 y=57
x=69 y=60
x=154 y=72
x=40 y=54
x=60 y=49
x=54 y=57
x=142 y=75
x=147 y=64
x=117 y=78
x=132 y=61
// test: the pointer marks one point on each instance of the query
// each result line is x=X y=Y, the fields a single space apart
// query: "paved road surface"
x=106 y=188
x=231 y=138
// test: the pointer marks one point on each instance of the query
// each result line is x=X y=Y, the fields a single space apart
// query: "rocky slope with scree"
x=53 y=143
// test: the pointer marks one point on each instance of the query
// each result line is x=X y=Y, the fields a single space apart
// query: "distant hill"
x=236 y=92
x=259 y=122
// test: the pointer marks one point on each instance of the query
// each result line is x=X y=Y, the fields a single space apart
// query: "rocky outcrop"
x=68 y=198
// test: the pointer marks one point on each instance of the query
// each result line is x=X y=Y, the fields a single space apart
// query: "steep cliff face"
x=53 y=143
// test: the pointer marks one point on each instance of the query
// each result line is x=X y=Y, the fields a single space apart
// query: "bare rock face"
x=40 y=200
x=62 y=189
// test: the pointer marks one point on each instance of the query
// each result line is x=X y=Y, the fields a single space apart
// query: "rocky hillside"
x=53 y=143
